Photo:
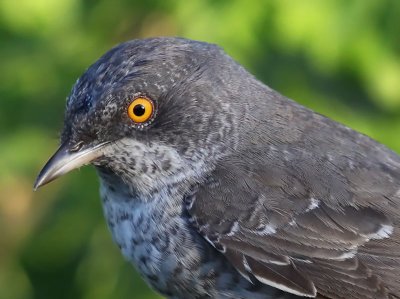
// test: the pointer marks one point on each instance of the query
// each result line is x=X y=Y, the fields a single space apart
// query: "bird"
x=214 y=185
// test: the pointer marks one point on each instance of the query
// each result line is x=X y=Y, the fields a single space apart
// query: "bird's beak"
x=65 y=160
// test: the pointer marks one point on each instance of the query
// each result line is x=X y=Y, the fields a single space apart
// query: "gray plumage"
x=231 y=190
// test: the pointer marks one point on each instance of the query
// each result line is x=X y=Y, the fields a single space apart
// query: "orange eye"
x=140 y=110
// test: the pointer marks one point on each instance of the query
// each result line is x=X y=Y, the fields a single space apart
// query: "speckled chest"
x=156 y=237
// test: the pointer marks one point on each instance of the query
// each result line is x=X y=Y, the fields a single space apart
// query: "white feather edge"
x=274 y=284
x=285 y=288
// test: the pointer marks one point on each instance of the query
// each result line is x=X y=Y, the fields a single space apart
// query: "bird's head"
x=150 y=112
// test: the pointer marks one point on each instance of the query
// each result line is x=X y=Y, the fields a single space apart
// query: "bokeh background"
x=341 y=58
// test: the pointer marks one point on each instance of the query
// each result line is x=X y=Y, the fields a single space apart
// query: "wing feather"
x=310 y=234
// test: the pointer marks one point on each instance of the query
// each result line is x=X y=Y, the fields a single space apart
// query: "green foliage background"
x=341 y=58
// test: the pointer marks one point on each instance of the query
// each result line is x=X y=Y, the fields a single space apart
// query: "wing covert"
x=302 y=232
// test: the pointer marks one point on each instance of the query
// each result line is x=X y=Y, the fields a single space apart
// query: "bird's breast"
x=155 y=237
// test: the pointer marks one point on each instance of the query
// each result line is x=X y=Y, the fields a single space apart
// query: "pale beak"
x=65 y=160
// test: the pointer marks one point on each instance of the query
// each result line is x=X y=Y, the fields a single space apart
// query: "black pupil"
x=139 y=110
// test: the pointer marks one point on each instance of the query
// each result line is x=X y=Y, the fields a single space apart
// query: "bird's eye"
x=140 y=110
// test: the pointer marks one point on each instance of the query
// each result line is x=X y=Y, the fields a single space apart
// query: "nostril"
x=76 y=147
